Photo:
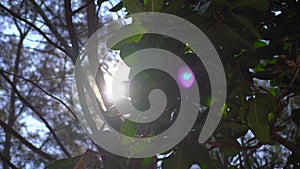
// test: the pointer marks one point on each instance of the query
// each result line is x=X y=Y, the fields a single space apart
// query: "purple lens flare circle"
x=185 y=76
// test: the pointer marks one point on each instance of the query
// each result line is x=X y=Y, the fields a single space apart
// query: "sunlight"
x=117 y=82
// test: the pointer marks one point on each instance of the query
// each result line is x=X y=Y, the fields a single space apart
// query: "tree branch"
x=292 y=147
x=39 y=114
x=5 y=160
x=71 y=30
x=50 y=25
x=82 y=7
x=37 y=29
x=12 y=102
x=25 y=142
x=43 y=90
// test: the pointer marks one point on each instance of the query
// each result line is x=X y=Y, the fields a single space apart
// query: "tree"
x=258 y=43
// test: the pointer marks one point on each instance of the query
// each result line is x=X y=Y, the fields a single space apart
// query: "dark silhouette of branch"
x=292 y=147
x=39 y=114
x=50 y=25
x=43 y=90
x=6 y=161
x=25 y=142
x=12 y=103
x=82 y=7
x=37 y=29
x=220 y=144
x=71 y=30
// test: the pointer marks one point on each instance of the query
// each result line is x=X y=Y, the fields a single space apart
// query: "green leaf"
x=232 y=42
x=232 y=129
x=258 y=116
x=173 y=7
x=120 y=39
x=232 y=147
x=128 y=128
x=130 y=40
x=295 y=115
x=259 y=44
x=147 y=162
x=199 y=153
x=246 y=23
x=68 y=163
x=179 y=160
x=89 y=159
x=153 y=5
x=133 y=6
x=112 y=161
x=116 y=8
x=259 y=5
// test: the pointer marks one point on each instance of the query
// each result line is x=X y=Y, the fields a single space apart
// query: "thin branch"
x=50 y=25
x=37 y=29
x=12 y=102
x=25 y=142
x=292 y=147
x=39 y=114
x=220 y=144
x=295 y=77
x=5 y=160
x=71 y=29
x=82 y=7
x=43 y=90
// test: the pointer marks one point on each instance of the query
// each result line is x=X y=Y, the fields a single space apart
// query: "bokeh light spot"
x=185 y=76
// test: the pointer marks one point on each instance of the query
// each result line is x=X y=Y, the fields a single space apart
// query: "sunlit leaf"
x=259 y=43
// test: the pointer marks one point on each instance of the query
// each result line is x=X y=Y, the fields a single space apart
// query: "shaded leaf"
x=199 y=153
x=232 y=147
x=147 y=162
x=153 y=5
x=133 y=6
x=257 y=117
x=172 y=7
x=88 y=160
x=295 y=115
x=259 y=5
x=68 y=163
x=179 y=160
x=246 y=23
x=232 y=129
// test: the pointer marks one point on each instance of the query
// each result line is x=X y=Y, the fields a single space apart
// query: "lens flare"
x=185 y=77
